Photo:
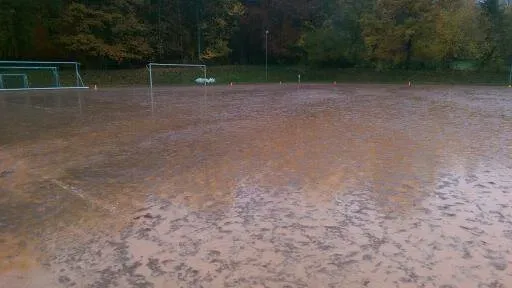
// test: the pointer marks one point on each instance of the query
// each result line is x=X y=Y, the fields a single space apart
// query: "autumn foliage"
x=382 y=34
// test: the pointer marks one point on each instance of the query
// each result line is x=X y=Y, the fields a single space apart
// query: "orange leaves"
x=104 y=32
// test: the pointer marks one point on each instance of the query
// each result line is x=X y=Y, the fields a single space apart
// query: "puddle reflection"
x=346 y=163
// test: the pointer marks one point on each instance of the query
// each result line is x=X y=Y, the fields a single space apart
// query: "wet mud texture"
x=257 y=186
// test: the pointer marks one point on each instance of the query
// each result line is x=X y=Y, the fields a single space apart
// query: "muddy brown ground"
x=257 y=186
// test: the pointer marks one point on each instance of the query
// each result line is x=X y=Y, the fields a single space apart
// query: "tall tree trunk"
x=408 y=51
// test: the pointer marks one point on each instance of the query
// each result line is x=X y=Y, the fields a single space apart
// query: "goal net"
x=161 y=75
x=176 y=74
x=29 y=75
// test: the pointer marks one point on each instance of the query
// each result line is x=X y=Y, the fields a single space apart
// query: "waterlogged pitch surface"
x=257 y=186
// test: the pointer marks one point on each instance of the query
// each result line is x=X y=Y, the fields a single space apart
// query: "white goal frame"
x=24 y=77
x=44 y=65
x=151 y=65
x=150 y=70
x=26 y=84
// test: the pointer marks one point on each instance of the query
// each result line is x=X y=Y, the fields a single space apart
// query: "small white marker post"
x=298 y=76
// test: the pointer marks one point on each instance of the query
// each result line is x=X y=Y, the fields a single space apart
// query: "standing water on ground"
x=257 y=186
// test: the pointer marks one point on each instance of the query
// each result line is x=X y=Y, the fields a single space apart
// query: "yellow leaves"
x=79 y=18
x=104 y=32
x=459 y=33
x=237 y=9
x=399 y=30
x=217 y=49
x=221 y=23
x=224 y=16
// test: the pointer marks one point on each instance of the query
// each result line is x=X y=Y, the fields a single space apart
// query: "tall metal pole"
x=266 y=55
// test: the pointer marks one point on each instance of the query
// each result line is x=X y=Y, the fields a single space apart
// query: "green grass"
x=36 y=78
x=256 y=74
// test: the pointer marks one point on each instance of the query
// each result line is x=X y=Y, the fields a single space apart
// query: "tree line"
x=382 y=34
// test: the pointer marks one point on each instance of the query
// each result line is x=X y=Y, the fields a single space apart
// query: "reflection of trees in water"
x=394 y=152
x=349 y=155
x=327 y=153
x=394 y=149
x=320 y=154
x=466 y=137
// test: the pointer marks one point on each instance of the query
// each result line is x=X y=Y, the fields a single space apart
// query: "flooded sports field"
x=257 y=186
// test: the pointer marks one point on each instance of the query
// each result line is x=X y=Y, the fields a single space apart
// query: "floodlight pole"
x=266 y=55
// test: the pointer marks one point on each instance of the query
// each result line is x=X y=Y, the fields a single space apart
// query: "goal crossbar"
x=151 y=65
x=150 y=70
x=177 y=65
x=25 y=65
x=53 y=69
x=23 y=77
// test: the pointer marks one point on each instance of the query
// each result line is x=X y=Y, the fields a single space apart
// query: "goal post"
x=37 y=75
x=44 y=74
x=4 y=79
x=152 y=66
x=167 y=70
